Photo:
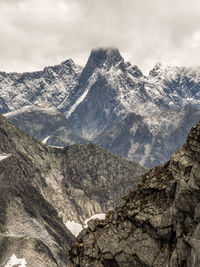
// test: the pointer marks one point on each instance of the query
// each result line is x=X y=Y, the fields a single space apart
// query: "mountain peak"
x=156 y=69
x=69 y=62
x=105 y=57
x=102 y=58
x=162 y=70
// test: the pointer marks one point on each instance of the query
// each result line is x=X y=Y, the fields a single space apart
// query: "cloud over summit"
x=36 y=33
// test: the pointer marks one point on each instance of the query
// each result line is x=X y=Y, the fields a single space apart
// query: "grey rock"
x=160 y=224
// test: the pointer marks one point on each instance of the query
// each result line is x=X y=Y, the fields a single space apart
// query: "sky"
x=39 y=33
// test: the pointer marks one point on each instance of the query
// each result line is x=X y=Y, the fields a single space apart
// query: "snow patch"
x=44 y=141
x=3 y=157
x=76 y=228
x=13 y=261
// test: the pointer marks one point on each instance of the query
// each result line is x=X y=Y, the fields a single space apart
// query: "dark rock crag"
x=157 y=225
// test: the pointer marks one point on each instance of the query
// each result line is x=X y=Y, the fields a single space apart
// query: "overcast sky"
x=37 y=33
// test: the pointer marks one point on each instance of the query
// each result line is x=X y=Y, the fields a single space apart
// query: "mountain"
x=43 y=187
x=157 y=224
x=103 y=93
x=150 y=140
x=109 y=89
x=46 y=123
x=54 y=84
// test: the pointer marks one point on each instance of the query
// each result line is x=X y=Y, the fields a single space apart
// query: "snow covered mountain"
x=53 y=84
x=46 y=123
x=104 y=92
x=109 y=89
x=150 y=140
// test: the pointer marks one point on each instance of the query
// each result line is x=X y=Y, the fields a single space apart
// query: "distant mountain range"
x=101 y=101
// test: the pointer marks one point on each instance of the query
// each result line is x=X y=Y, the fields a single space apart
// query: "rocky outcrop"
x=42 y=187
x=150 y=140
x=155 y=225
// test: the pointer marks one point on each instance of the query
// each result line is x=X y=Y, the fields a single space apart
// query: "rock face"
x=156 y=225
x=3 y=106
x=46 y=123
x=42 y=187
x=151 y=140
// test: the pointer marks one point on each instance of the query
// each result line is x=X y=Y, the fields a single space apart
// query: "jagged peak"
x=102 y=58
x=105 y=57
x=156 y=69
x=162 y=69
x=69 y=62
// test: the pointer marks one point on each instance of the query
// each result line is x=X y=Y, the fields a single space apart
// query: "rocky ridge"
x=155 y=225
x=42 y=187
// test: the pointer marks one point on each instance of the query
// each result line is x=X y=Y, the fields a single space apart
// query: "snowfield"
x=14 y=261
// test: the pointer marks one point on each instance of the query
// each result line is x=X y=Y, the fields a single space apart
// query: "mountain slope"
x=150 y=140
x=42 y=187
x=156 y=225
x=46 y=123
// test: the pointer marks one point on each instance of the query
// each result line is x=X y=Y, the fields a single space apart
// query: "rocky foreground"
x=157 y=225
x=42 y=187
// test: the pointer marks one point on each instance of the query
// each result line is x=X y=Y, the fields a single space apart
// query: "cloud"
x=36 y=33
